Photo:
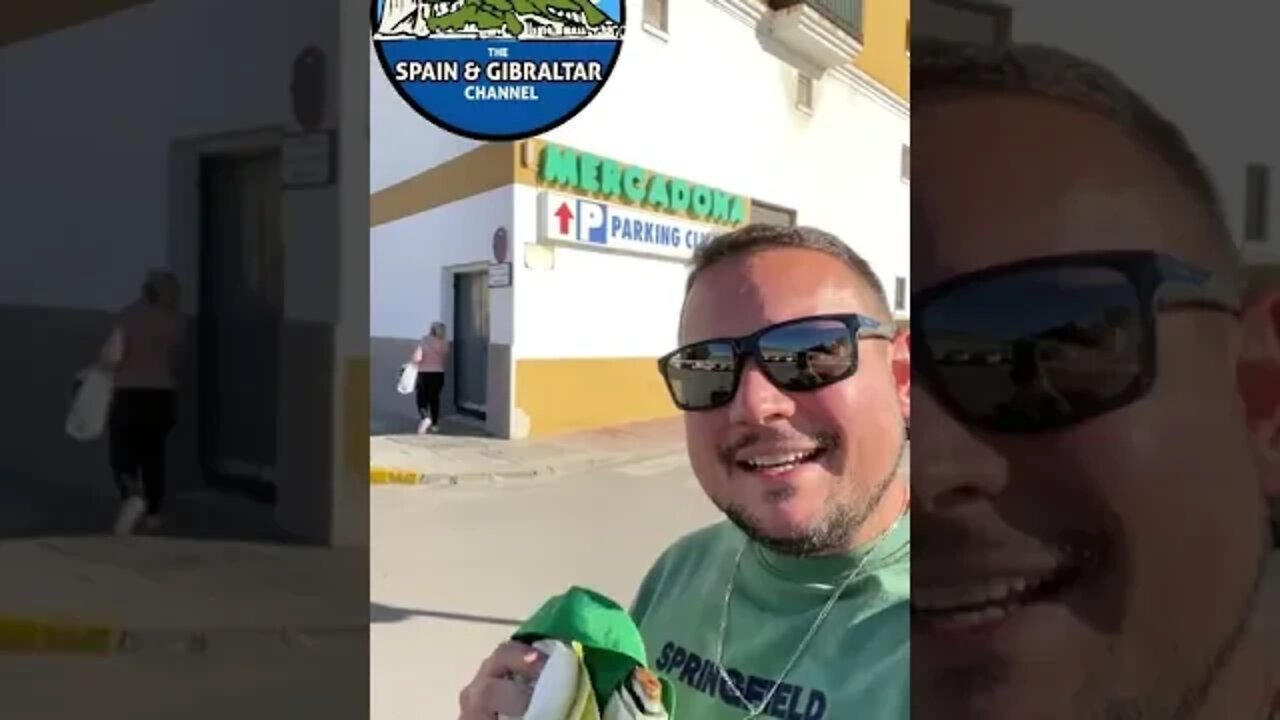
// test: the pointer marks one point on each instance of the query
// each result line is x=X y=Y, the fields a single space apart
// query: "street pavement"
x=150 y=627
x=454 y=569
x=455 y=566
x=327 y=683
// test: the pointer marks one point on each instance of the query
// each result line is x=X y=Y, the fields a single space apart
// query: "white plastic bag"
x=556 y=690
x=408 y=379
x=562 y=692
x=88 y=414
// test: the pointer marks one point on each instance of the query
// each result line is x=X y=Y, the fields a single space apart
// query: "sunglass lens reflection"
x=1039 y=348
x=702 y=375
x=808 y=355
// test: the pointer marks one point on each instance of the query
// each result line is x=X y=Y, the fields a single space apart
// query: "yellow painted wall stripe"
x=487 y=167
x=885 y=45
x=355 y=414
x=578 y=394
x=1261 y=277
x=20 y=21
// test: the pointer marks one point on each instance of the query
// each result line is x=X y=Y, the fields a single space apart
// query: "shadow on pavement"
x=386 y=614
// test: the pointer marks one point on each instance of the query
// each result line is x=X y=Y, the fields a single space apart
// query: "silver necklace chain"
x=756 y=711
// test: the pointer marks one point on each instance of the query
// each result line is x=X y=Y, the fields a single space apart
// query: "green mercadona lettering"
x=595 y=175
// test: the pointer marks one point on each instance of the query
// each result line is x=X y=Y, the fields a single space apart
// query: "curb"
x=382 y=475
x=401 y=476
x=42 y=637
x=387 y=475
x=29 y=636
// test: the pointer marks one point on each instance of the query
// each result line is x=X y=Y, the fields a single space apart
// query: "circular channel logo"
x=498 y=69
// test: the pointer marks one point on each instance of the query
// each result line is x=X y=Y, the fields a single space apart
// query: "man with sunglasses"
x=1091 y=531
x=797 y=606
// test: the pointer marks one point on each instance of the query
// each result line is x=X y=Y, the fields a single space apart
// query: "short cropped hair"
x=758 y=237
x=943 y=70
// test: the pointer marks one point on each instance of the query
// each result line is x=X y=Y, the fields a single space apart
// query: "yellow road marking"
x=393 y=476
x=26 y=635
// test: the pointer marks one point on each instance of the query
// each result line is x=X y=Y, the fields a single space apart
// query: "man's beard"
x=1190 y=697
x=835 y=528
x=1180 y=697
x=1195 y=692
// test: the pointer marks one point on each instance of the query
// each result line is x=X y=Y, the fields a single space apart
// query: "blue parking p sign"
x=593 y=222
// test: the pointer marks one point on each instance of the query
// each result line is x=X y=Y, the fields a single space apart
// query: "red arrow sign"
x=564 y=214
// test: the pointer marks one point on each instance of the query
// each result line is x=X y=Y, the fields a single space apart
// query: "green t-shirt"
x=856 y=667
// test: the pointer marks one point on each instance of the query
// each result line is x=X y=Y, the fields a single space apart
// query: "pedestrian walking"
x=429 y=357
x=142 y=355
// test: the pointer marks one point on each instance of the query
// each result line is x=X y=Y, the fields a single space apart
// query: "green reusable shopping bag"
x=606 y=639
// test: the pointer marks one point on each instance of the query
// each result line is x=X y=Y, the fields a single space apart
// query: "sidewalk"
x=450 y=458
x=141 y=595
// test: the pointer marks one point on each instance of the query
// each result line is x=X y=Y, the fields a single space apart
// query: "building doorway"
x=241 y=297
x=471 y=343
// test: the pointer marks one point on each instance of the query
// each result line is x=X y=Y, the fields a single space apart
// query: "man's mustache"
x=940 y=539
x=774 y=436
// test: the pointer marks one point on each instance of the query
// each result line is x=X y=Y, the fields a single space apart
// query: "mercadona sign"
x=612 y=181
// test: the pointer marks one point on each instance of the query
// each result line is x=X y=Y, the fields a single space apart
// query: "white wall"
x=407 y=287
x=707 y=104
x=592 y=304
x=1216 y=85
x=350 y=515
x=401 y=142
x=100 y=183
x=102 y=208
x=732 y=123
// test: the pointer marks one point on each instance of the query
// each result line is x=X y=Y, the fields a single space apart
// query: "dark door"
x=471 y=342
x=241 y=308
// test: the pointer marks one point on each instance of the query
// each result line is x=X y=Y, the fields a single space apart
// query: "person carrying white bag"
x=427 y=366
x=133 y=388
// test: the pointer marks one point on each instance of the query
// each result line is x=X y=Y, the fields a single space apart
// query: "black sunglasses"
x=797 y=355
x=1042 y=344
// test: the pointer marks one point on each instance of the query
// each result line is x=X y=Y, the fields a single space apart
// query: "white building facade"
x=184 y=128
x=719 y=112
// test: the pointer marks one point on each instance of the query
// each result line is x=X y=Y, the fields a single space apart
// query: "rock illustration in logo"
x=498 y=69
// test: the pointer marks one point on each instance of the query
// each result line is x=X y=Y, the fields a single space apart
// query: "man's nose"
x=758 y=401
x=950 y=465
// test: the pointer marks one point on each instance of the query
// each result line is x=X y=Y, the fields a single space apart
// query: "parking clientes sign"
x=579 y=220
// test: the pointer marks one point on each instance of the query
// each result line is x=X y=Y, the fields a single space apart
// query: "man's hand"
x=497 y=688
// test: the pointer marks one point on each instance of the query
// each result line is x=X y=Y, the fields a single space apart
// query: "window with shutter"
x=772 y=214
x=804 y=92
x=655 y=14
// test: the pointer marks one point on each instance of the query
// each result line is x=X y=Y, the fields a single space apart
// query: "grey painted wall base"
x=305 y=431
x=499 y=391
x=50 y=484
x=391 y=413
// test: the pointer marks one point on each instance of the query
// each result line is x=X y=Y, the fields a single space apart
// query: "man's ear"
x=902 y=370
x=1258 y=378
